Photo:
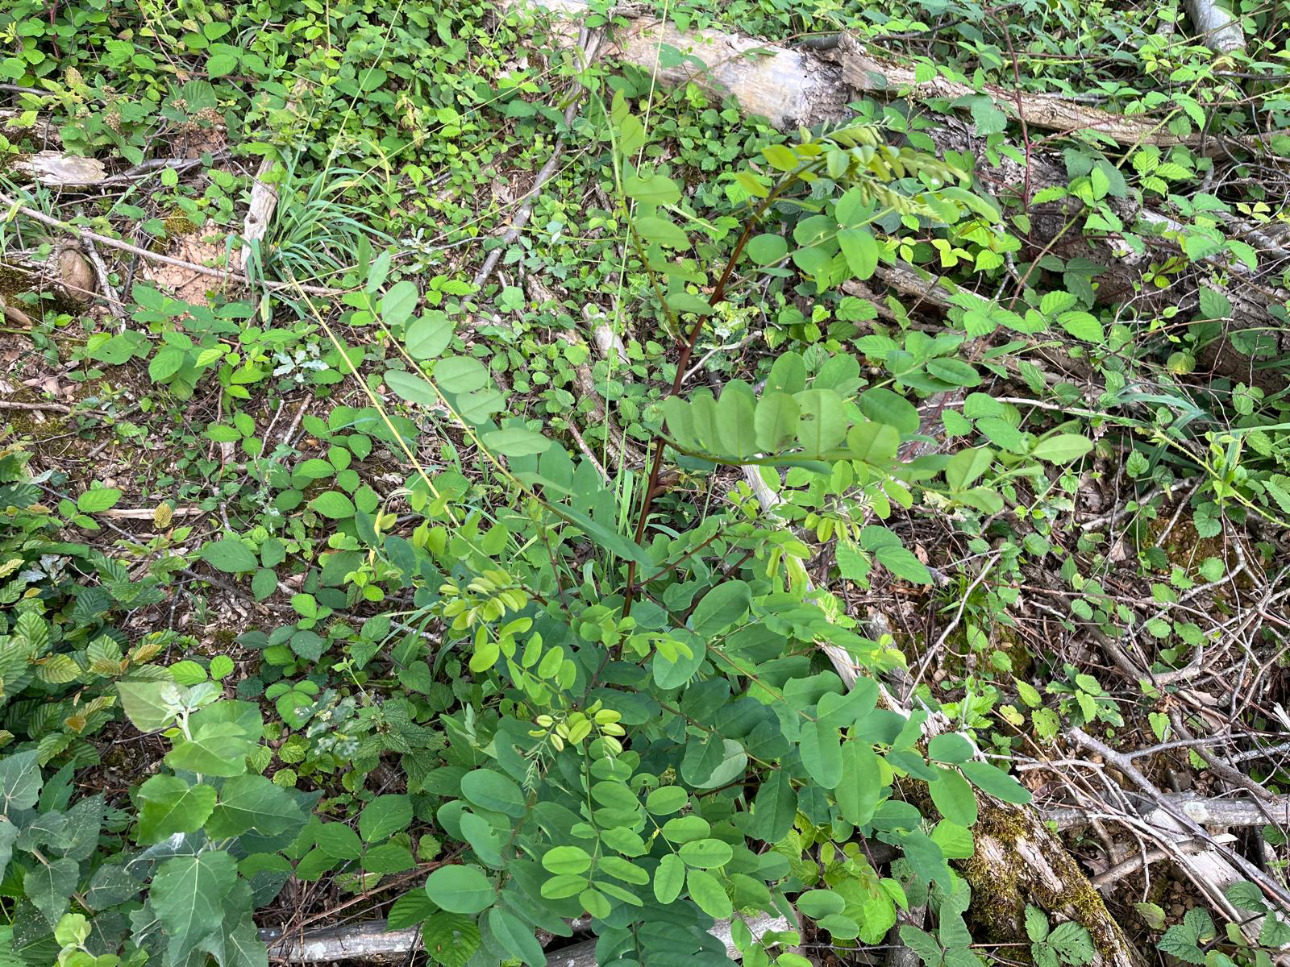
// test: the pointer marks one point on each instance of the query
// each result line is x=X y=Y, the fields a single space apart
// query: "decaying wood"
x=1215 y=26
x=264 y=199
x=59 y=170
x=371 y=941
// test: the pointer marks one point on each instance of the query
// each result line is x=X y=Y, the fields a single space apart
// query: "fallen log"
x=373 y=940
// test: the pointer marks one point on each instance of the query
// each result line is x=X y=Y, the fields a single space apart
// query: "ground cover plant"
x=784 y=482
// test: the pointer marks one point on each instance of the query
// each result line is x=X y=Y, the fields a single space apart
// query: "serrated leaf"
x=187 y=895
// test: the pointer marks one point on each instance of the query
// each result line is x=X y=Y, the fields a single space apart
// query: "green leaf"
x=903 y=564
x=706 y=854
x=774 y=809
x=460 y=889
x=492 y=790
x=221 y=64
x=222 y=736
x=515 y=937
x=398 y=304
x=669 y=878
x=20 y=781
x=821 y=903
x=1082 y=326
x=150 y=705
x=450 y=939
x=767 y=249
x=661 y=231
x=666 y=800
x=966 y=466
x=652 y=189
x=1036 y=924
x=860 y=250
x=515 y=441
x=169 y=805
x=50 y=885
x=708 y=894
x=822 y=424
x=821 y=754
x=956 y=372
x=413 y=388
x=885 y=406
x=1062 y=448
x=954 y=798
x=860 y=788
x=187 y=895
x=736 y=422
x=253 y=803
x=775 y=422
x=333 y=505
x=97 y=500
x=723 y=606
x=428 y=336
x=383 y=817
x=566 y=860
x=230 y=555
x=460 y=374
x=950 y=747
x=994 y=782
x=1073 y=943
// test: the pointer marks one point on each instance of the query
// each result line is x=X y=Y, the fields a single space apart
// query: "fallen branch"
x=1217 y=28
x=372 y=939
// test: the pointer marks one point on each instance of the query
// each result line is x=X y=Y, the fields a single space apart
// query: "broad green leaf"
x=383 y=817
x=954 y=798
x=666 y=800
x=428 y=336
x=516 y=937
x=398 y=303
x=98 y=500
x=460 y=374
x=460 y=889
x=708 y=894
x=767 y=249
x=20 y=781
x=956 y=372
x=966 y=466
x=49 y=886
x=820 y=903
x=411 y=387
x=885 y=406
x=669 y=878
x=736 y=422
x=230 y=555
x=860 y=250
x=1082 y=326
x=706 y=854
x=775 y=422
x=1062 y=448
x=821 y=754
x=995 y=782
x=652 y=189
x=774 y=809
x=661 y=231
x=187 y=896
x=950 y=747
x=222 y=736
x=150 y=705
x=169 y=805
x=492 y=790
x=333 y=505
x=860 y=788
x=725 y=605
x=903 y=564
x=670 y=673
x=566 y=860
x=822 y=423
x=253 y=803
x=516 y=441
